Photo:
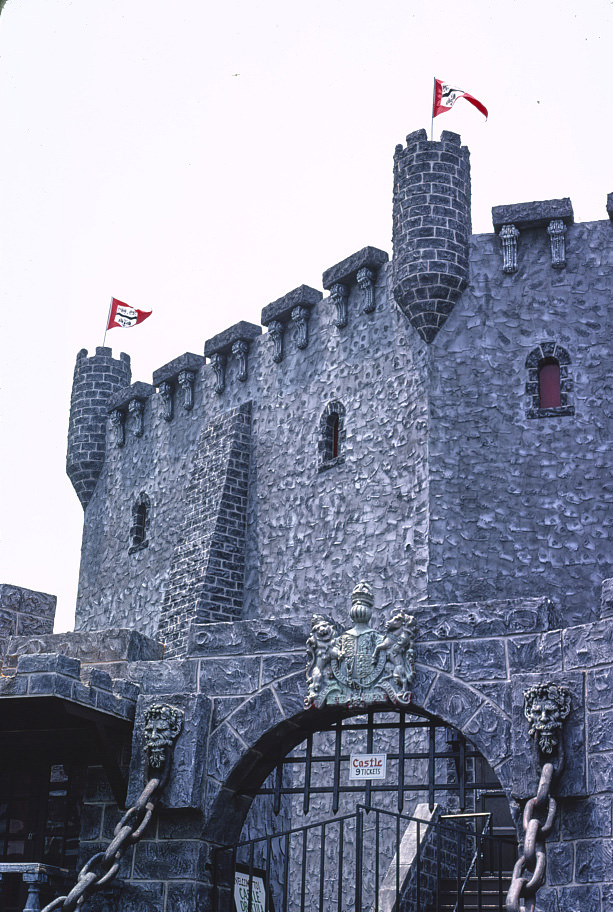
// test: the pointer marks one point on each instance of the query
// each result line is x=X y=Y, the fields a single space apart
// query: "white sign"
x=242 y=890
x=367 y=766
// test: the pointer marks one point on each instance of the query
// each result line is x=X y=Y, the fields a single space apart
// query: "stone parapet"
x=171 y=371
x=55 y=675
x=281 y=309
x=347 y=270
x=24 y=612
x=92 y=647
x=533 y=215
x=222 y=343
x=138 y=391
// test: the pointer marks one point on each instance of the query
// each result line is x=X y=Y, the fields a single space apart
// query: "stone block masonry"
x=431 y=228
x=96 y=379
x=24 y=612
x=208 y=566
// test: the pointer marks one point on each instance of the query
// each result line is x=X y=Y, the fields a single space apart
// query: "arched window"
x=549 y=385
x=332 y=435
x=140 y=524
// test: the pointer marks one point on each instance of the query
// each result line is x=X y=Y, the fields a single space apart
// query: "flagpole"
x=106 y=325
x=433 y=100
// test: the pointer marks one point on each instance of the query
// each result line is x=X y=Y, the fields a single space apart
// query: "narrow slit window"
x=549 y=384
x=140 y=523
x=332 y=435
x=334 y=428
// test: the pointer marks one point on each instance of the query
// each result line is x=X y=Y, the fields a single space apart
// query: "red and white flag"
x=122 y=315
x=445 y=96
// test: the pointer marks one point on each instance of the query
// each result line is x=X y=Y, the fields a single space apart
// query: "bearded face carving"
x=546 y=706
x=162 y=726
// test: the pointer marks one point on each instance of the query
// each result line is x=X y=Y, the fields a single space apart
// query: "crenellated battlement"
x=348 y=439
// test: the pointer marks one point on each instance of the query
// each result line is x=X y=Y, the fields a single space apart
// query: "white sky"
x=201 y=159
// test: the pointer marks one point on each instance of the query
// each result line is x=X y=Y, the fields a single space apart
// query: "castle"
x=438 y=425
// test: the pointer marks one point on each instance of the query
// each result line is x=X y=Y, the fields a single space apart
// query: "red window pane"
x=549 y=384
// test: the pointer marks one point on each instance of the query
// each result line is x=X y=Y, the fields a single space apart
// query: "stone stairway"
x=491 y=900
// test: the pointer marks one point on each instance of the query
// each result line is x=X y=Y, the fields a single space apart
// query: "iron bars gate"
x=422 y=755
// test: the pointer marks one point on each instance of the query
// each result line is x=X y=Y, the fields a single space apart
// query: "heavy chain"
x=531 y=866
x=103 y=866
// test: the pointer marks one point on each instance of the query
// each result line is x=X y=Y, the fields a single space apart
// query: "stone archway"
x=244 y=766
x=449 y=702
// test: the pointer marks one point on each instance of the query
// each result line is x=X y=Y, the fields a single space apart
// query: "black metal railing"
x=371 y=860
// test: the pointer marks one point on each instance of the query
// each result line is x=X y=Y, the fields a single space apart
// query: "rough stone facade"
x=394 y=432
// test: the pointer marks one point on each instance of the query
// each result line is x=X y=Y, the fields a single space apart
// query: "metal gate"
x=423 y=756
x=320 y=838
x=373 y=860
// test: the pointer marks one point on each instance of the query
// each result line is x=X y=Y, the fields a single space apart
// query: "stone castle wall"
x=521 y=503
x=363 y=514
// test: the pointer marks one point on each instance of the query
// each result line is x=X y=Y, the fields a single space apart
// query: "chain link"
x=531 y=866
x=103 y=866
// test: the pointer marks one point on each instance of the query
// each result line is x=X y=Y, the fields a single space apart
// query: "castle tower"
x=95 y=380
x=431 y=228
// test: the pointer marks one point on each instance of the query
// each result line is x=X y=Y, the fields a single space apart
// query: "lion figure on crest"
x=399 y=646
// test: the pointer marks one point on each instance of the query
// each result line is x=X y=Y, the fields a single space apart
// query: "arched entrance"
x=377 y=810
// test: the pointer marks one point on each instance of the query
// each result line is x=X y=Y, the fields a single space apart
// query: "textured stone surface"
x=24 y=611
x=526 y=769
x=606 y=599
x=124 y=396
x=207 y=568
x=281 y=309
x=346 y=271
x=455 y=496
x=222 y=343
x=431 y=228
x=588 y=645
x=101 y=646
x=186 y=785
x=188 y=361
x=246 y=637
x=521 y=506
x=95 y=380
x=533 y=215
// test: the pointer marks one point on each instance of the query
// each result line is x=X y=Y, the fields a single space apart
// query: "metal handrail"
x=478 y=844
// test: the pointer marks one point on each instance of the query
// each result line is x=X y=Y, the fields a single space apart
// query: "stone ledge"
x=483 y=619
x=610 y=206
x=53 y=675
x=222 y=343
x=27 y=601
x=94 y=647
x=188 y=361
x=122 y=397
x=248 y=637
x=346 y=271
x=533 y=215
x=281 y=309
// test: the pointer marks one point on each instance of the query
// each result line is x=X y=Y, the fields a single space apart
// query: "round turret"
x=431 y=230
x=95 y=380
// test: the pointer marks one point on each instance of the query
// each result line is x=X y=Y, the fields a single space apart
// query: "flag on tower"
x=445 y=96
x=122 y=315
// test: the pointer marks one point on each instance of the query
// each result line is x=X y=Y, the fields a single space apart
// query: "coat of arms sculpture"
x=361 y=666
